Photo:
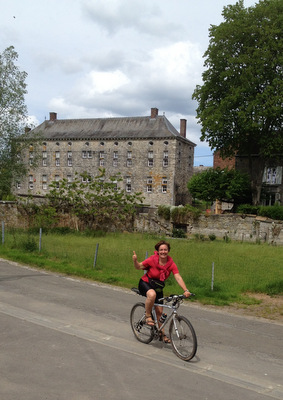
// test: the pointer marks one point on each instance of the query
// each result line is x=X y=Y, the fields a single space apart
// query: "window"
x=57 y=178
x=70 y=162
x=101 y=162
x=44 y=154
x=149 y=184
x=69 y=180
x=101 y=154
x=129 y=163
x=150 y=158
x=18 y=185
x=128 y=184
x=44 y=182
x=31 y=157
x=115 y=159
x=84 y=154
x=30 y=179
x=164 y=184
x=69 y=154
x=129 y=154
x=86 y=179
x=89 y=154
x=57 y=158
x=272 y=175
x=44 y=162
x=165 y=159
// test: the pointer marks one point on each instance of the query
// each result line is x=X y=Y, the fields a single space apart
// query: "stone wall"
x=246 y=228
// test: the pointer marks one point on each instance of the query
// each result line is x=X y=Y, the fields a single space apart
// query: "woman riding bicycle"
x=158 y=266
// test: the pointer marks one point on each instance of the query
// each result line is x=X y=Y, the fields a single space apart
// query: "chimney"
x=154 y=113
x=53 y=116
x=183 y=127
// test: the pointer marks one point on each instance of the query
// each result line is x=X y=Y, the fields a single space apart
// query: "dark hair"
x=160 y=244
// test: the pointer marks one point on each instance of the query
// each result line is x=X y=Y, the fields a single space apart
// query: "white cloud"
x=101 y=58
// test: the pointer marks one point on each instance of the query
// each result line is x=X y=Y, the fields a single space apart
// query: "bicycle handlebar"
x=176 y=297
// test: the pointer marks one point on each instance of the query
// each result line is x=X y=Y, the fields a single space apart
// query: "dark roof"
x=108 y=128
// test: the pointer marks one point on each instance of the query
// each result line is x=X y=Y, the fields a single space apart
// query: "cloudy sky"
x=107 y=58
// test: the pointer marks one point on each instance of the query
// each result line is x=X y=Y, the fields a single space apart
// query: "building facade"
x=151 y=156
x=272 y=179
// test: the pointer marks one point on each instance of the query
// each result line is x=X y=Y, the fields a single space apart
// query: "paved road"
x=63 y=338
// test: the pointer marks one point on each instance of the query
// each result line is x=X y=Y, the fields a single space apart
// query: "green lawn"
x=238 y=267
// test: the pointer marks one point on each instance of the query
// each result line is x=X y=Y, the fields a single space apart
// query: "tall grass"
x=238 y=267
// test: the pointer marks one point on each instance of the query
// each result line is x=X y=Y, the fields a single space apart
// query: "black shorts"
x=145 y=286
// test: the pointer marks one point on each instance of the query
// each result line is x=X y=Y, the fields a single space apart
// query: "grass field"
x=238 y=267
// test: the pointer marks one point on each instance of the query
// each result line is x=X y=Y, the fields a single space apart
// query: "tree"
x=220 y=184
x=240 y=101
x=98 y=203
x=13 y=118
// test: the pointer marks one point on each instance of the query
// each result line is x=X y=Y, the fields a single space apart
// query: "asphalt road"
x=64 y=338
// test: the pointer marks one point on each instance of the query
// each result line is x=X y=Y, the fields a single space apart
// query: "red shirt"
x=154 y=270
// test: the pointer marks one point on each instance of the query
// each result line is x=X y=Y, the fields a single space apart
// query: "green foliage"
x=98 y=204
x=13 y=119
x=248 y=209
x=240 y=101
x=273 y=212
x=212 y=237
x=220 y=184
x=199 y=237
x=164 y=212
x=29 y=244
x=183 y=214
x=178 y=233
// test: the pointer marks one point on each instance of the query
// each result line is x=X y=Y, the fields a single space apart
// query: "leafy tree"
x=98 y=203
x=220 y=184
x=240 y=101
x=13 y=119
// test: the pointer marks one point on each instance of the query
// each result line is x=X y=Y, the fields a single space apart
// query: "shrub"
x=29 y=244
x=212 y=237
x=164 y=211
x=178 y=233
x=247 y=209
x=182 y=214
x=273 y=212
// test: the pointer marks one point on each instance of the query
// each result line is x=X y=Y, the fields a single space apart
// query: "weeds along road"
x=63 y=338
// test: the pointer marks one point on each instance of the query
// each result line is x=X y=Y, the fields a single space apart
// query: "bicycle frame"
x=173 y=307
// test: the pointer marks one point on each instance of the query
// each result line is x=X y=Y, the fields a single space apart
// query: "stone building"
x=151 y=155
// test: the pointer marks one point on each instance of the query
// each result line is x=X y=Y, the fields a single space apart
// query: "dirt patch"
x=269 y=307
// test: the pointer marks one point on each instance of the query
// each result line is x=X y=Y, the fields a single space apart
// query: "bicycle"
x=181 y=332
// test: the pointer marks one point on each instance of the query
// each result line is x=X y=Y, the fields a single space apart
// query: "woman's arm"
x=137 y=264
x=182 y=284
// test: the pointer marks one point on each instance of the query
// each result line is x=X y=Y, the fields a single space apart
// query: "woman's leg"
x=150 y=299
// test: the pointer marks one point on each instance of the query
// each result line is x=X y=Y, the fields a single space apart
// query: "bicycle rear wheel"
x=183 y=338
x=143 y=332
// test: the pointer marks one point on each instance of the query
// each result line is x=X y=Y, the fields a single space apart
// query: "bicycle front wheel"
x=143 y=332
x=183 y=338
